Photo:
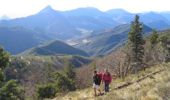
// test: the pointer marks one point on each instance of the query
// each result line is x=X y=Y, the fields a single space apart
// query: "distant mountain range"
x=55 y=48
x=49 y=24
x=106 y=41
x=4 y=17
x=82 y=21
x=18 y=39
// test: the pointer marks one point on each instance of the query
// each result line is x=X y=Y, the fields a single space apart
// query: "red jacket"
x=107 y=78
x=101 y=75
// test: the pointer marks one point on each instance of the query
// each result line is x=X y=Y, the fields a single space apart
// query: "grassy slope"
x=156 y=87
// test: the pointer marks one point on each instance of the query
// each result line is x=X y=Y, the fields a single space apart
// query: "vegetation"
x=136 y=44
x=60 y=82
x=37 y=70
x=120 y=62
x=154 y=37
x=9 y=89
x=46 y=91
x=154 y=87
x=54 y=75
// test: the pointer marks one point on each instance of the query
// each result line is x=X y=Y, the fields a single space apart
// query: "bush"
x=154 y=37
x=46 y=91
x=63 y=83
x=4 y=59
x=11 y=91
x=2 y=77
x=59 y=83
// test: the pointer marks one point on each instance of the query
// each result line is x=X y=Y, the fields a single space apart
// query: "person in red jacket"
x=107 y=80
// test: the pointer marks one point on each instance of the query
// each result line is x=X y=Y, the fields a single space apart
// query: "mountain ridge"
x=54 y=48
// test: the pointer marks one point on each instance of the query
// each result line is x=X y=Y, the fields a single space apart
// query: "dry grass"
x=156 y=87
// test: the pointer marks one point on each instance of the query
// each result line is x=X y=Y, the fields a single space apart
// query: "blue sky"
x=19 y=8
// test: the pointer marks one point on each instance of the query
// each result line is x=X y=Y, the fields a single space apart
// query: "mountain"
x=64 y=25
x=49 y=24
x=89 y=19
x=155 y=20
x=120 y=15
x=17 y=39
x=166 y=14
x=105 y=41
x=55 y=48
x=4 y=17
x=48 y=21
x=86 y=11
x=81 y=22
x=159 y=21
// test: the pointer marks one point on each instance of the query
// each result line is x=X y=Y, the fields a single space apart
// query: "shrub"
x=11 y=91
x=63 y=83
x=46 y=91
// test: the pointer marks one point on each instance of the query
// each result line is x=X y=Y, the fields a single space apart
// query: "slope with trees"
x=9 y=89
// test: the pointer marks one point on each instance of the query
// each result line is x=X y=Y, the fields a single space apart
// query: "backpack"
x=97 y=79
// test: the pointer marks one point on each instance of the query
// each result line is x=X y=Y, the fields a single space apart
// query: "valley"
x=82 y=23
x=52 y=54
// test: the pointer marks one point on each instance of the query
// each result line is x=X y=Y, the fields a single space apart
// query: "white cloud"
x=16 y=8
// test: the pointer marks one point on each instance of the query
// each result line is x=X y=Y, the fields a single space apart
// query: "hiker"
x=97 y=77
x=107 y=80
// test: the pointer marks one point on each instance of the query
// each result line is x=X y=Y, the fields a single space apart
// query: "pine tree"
x=136 y=43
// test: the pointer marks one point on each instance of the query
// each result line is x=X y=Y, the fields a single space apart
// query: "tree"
x=165 y=52
x=69 y=71
x=9 y=90
x=154 y=37
x=163 y=39
x=63 y=83
x=4 y=59
x=136 y=43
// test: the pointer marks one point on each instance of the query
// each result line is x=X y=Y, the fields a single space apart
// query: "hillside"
x=104 y=42
x=151 y=83
x=152 y=87
x=55 y=48
x=17 y=39
x=33 y=70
